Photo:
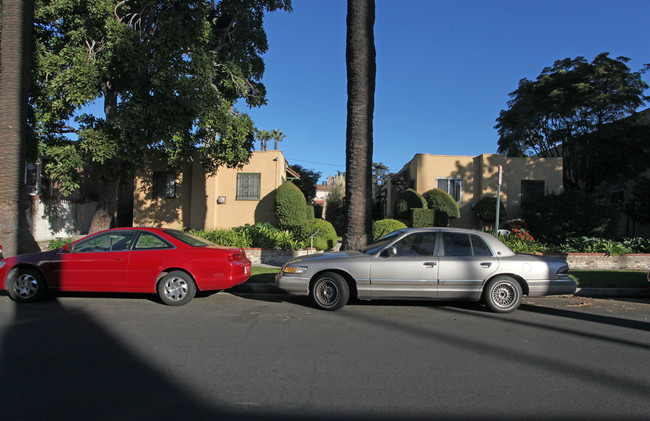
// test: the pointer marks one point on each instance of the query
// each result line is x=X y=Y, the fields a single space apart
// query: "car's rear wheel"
x=503 y=294
x=26 y=285
x=176 y=288
x=330 y=291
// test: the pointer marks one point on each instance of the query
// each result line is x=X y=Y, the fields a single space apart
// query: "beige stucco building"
x=192 y=199
x=469 y=178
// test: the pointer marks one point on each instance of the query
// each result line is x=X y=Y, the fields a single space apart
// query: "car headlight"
x=295 y=269
x=2 y=264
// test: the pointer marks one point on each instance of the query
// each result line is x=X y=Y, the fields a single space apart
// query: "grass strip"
x=610 y=278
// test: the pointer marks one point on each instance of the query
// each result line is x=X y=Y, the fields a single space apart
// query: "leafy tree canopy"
x=168 y=71
x=307 y=182
x=570 y=102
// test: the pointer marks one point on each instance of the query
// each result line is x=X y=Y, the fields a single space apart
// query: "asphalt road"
x=225 y=356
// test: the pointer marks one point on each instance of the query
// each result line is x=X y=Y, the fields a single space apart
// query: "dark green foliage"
x=385 y=226
x=486 y=210
x=290 y=206
x=310 y=212
x=335 y=214
x=325 y=239
x=638 y=206
x=422 y=218
x=408 y=199
x=262 y=235
x=444 y=206
x=555 y=217
x=57 y=243
x=307 y=181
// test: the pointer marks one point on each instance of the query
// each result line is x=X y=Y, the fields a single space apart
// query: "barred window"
x=248 y=186
x=531 y=189
x=453 y=186
x=164 y=185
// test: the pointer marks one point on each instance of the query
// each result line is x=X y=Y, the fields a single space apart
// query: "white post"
x=496 y=224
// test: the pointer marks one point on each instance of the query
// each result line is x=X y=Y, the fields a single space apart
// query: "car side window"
x=479 y=247
x=457 y=245
x=417 y=244
x=109 y=241
x=151 y=241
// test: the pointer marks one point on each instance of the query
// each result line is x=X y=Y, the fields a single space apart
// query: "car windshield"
x=189 y=239
x=379 y=244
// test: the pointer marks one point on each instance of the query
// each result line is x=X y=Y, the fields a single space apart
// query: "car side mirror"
x=389 y=252
x=67 y=248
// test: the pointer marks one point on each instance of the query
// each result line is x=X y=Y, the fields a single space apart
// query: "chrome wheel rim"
x=26 y=286
x=504 y=295
x=176 y=289
x=327 y=292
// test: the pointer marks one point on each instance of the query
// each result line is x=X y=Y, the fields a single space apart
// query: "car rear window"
x=188 y=239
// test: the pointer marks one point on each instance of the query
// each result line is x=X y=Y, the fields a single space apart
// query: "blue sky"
x=444 y=70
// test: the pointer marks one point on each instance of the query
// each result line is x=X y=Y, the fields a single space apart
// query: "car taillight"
x=236 y=254
x=563 y=271
x=1 y=257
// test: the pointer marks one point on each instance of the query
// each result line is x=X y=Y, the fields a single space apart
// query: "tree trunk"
x=16 y=61
x=111 y=174
x=361 y=69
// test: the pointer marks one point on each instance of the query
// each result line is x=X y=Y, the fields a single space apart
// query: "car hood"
x=33 y=257
x=324 y=257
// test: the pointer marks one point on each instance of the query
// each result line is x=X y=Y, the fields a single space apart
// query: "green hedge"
x=422 y=218
x=290 y=206
x=384 y=227
x=325 y=239
x=406 y=200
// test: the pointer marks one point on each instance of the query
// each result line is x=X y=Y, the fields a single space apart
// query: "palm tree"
x=277 y=136
x=17 y=18
x=263 y=136
x=361 y=69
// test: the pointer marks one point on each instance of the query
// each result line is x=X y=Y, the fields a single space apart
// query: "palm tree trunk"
x=16 y=61
x=361 y=69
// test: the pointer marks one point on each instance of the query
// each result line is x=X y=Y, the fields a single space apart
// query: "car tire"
x=330 y=291
x=26 y=285
x=176 y=288
x=503 y=294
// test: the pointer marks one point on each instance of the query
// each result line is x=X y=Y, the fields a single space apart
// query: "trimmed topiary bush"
x=290 y=206
x=385 y=226
x=422 y=218
x=325 y=239
x=443 y=204
x=408 y=199
x=485 y=210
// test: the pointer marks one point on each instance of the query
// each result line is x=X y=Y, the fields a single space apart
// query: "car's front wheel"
x=26 y=285
x=330 y=291
x=503 y=294
x=176 y=288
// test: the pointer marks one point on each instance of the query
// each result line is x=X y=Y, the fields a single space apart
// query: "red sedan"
x=171 y=263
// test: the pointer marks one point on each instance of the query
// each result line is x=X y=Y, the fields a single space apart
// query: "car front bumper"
x=294 y=285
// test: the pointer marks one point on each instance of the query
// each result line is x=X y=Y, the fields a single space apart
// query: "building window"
x=164 y=185
x=248 y=186
x=531 y=189
x=453 y=186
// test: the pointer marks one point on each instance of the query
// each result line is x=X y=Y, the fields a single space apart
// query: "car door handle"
x=430 y=264
x=486 y=265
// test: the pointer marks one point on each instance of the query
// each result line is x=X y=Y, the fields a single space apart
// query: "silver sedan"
x=427 y=263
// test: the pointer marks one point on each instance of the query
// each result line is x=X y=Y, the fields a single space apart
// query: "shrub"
x=444 y=206
x=261 y=235
x=57 y=243
x=593 y=245
x=637 y=244
x=290 y=206
x=522 y=244
x=384 y=227
x=225 y=237
x=325 y=239
x=408 y=199
x=422 y=218
x=553 y=218
x=486 y=210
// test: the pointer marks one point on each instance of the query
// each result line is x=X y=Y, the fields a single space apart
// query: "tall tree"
x=307 y=182
x=361 y=70
x=263 y=136
x=568 y=104
x=169 y=74
x=16 y=64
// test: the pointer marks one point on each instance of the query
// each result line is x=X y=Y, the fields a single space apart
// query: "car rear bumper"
x=540 y=288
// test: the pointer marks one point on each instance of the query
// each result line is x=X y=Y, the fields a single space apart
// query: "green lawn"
x=610 y=278
x=263 y=275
